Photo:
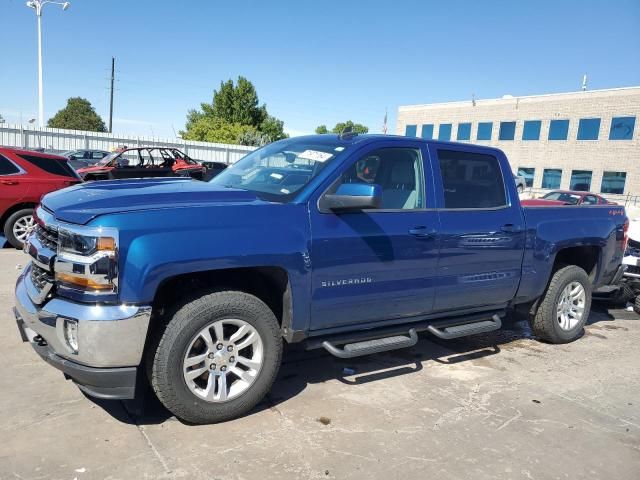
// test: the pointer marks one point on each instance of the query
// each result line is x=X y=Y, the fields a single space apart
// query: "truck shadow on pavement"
x=301 y=368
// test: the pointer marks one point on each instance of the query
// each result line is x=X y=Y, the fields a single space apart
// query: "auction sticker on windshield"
x=315 y=155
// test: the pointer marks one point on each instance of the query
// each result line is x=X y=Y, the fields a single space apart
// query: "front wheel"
x=564 y=308
x=18 y=226
x=217 y=358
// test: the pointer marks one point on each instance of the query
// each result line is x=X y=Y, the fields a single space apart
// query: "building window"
x=427 y=131
x=558 y=129
x=464 y=131
x=444 y=133
x=613 y=182
x=588 y=128
x=507 y=131
x=580 y=180
x=531 y=130
x=484 y=131
x=551 y=178
x=622 y=128
x=410 y=130
x=528 y=174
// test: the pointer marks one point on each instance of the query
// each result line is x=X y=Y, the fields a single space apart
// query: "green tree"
x=356 y=127
x=78 y=114
x=2 y=119
x=216 y=130
x=235 y=108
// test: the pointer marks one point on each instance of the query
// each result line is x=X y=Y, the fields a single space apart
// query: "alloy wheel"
x=22 y=227
x=223 y=360
x=571 y=305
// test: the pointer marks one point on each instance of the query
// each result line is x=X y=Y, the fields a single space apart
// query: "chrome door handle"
x=511 y=228
x=422 y=232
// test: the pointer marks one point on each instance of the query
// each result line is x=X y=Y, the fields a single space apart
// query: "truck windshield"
x=282 y=168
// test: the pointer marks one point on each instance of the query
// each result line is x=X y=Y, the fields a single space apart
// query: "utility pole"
x=113 y=74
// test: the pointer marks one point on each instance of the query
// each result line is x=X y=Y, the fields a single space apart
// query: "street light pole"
x=40 y=94
x=37 y=6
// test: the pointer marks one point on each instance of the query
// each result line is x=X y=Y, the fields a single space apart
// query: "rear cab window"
x=471 y=180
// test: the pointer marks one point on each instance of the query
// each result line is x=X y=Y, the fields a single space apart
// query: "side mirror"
x=353 y=196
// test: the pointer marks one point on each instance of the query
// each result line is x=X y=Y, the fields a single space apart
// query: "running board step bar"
x=465 y=329
x=368 y=347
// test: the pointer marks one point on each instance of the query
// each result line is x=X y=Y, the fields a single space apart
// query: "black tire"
x=8 y=226
x=188 y=319
x=544 y=322
x=636 y=305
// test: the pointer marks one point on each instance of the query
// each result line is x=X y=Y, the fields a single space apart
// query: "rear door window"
x=50 y=165
x=471 y=180
x=7 y=167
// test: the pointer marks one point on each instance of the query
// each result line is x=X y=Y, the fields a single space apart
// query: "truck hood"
x=82 y=203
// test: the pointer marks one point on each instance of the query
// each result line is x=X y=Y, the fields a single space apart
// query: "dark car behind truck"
x=348 y=243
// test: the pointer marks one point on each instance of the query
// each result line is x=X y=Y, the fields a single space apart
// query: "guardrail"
x=29 y=136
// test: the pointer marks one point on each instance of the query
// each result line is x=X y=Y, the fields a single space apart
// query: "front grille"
x=40 y=278
x=48 y=237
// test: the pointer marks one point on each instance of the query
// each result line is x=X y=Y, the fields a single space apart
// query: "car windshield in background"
x=563 y=197
x=106 y=160
x=282 y=168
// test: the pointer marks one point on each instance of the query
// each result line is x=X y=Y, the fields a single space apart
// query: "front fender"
x=159 y=244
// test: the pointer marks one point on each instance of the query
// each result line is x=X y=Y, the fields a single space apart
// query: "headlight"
x=87 y=260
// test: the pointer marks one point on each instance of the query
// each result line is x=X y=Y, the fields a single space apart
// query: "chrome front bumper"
x=108 y=335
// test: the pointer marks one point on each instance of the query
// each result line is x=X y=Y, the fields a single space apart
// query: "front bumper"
x=111 y=339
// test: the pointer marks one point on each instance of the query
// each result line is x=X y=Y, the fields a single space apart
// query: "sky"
x=312 y=62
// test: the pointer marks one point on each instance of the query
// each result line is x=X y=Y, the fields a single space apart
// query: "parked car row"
x=27 y=175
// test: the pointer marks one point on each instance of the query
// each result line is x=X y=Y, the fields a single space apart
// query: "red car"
x=567 y=197
x=25 y=176
x=143 y=162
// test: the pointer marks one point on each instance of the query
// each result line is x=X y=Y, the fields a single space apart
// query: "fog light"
x=70 y=329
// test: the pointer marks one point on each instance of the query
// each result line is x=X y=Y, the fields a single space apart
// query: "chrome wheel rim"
x=571 y=306
x=22 y=227
x=223 y=360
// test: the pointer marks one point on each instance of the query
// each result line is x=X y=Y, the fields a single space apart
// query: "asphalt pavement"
x=492 y=406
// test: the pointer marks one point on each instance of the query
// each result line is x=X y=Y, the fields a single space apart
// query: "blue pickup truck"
x=351 y=243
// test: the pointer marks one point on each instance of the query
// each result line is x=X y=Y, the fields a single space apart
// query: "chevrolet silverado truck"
x=348 y=243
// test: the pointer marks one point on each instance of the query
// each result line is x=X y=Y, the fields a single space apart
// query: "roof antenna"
x=584 y=82
x=347 y=133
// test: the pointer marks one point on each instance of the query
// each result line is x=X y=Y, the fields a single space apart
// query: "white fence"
x=28 y=136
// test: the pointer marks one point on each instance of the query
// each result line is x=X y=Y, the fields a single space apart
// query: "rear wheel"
x=636 y=305
x=217 y=358
x=18 y=226
x=565 y=306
